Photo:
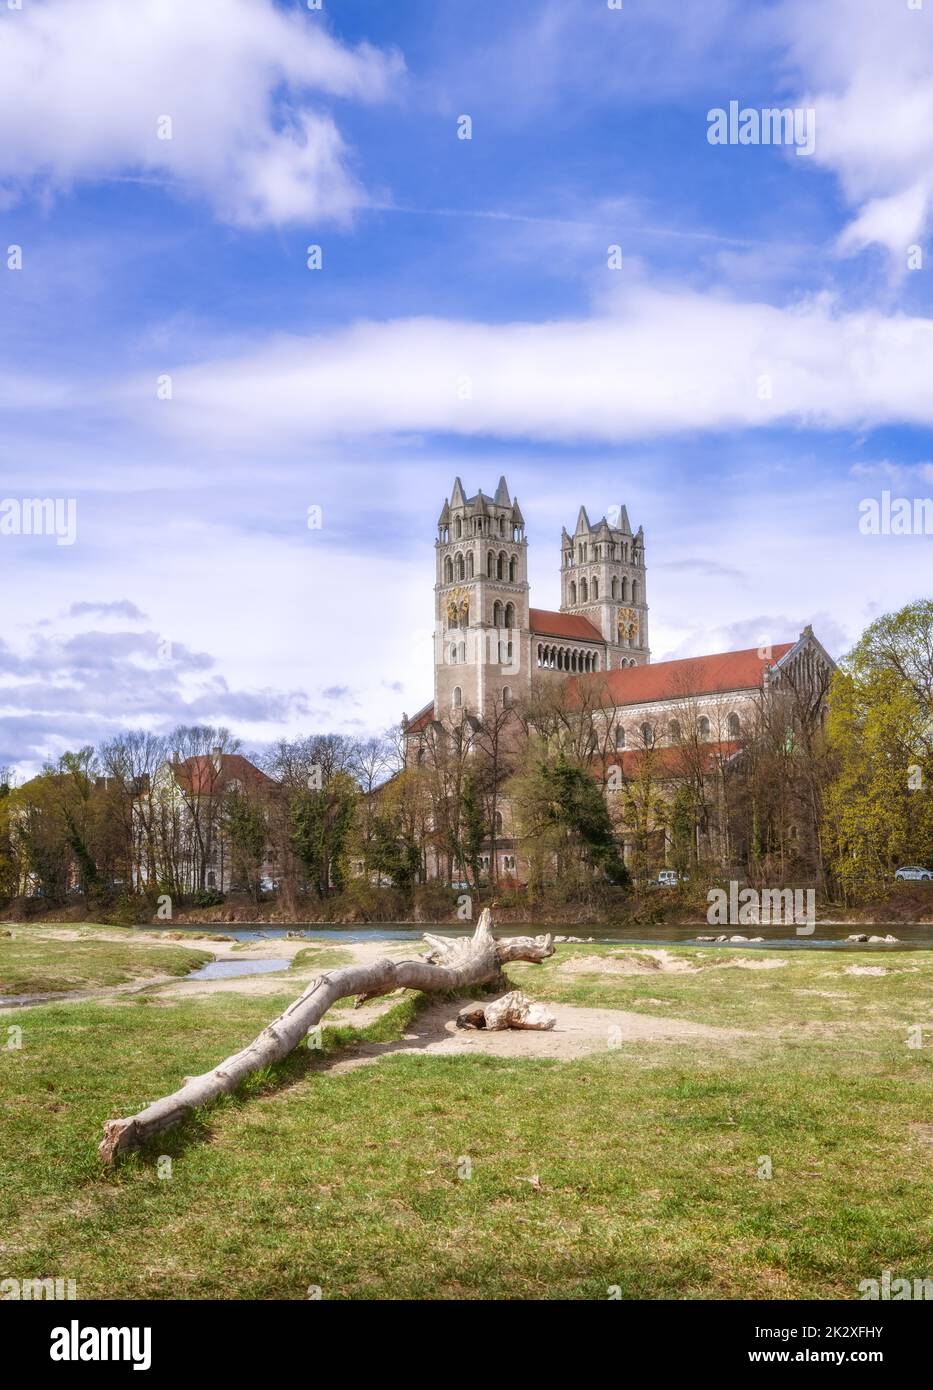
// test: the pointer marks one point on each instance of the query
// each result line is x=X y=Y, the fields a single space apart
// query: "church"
x=493 y=650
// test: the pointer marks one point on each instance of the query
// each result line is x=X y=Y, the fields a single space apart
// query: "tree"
x=245 y=828
x=879 y=808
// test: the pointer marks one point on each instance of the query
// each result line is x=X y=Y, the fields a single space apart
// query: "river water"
x=912 y=936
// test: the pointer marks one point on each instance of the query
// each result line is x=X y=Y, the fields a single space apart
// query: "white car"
x=669 y=878
x=913 y=871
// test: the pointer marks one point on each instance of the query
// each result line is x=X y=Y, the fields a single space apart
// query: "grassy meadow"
x=639 y=1166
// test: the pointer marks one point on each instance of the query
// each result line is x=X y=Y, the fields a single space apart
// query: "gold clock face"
x=628 y=625
x=458 y=605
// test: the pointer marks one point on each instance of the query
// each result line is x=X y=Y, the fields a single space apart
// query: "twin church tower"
x=490 y=643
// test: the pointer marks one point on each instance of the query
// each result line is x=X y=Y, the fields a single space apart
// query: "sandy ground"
x=577 y=1033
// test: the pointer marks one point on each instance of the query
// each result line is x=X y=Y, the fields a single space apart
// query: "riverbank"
x=658 y=908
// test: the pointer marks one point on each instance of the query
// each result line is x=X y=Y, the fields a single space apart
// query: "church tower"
x=603 y=578
x=482 y=647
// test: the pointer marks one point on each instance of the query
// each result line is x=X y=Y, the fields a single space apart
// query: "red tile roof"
x=545 y=623
x=692 y=675
x=420 y=721
x=199 y=777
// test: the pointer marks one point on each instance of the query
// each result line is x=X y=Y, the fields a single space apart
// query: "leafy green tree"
x=879 y=808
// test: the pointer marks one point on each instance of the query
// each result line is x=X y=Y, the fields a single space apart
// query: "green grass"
x=31 y=965
x=647 y=1156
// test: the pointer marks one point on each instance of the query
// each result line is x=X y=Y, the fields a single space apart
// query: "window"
x=490 y=565
x=498 y=822
x=470 y=565
x=595 y=590
x=459 y=528
x=625 y=593
x=735 y=726
x=703 y=727
x=614 y=590
x=461 y=569
x=448 y=570
x=673 y=730
x=573 y=593
x=453 y=654
x=507 y=697
x=634 y=590
x=647 y=735
x=457 y=700
x=497 y=614
x=620 y=736
x=583 y=591
x=510 y=615
x=513 y=567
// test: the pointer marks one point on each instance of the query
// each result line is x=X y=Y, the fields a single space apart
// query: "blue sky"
x=195 y=589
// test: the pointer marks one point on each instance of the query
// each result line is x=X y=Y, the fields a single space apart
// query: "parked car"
x=669 y=878
x=912 y=872
x=268 y=885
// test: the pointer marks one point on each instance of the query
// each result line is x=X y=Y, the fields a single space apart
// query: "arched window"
x=596 y=661
x=506 y=697
x=453 y=654
x=634 y=590
x=502 y=565
x=490 y=566
x=625 y=592
x=673 y=731
x=502 y=526
x=510 y=615
x=462 y=652
x=540 y=655
x=497 y=614
x=583 y=591
x=498 y=822
x=735 y=726
x=469 y=564
x=513 y=567
x=595 y=590
x=459 y=528
x=573 y=593
x=457 y=700
x=614 y=589
x=703 y=727
x=448 y=570
x=461 y=570
x=647 y=735
x=620 y=736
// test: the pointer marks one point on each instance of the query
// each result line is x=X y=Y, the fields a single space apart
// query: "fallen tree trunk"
x=513 y=1010
x=451 y=964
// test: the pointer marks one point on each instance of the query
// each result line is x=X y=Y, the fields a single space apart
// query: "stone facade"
x=492 y=649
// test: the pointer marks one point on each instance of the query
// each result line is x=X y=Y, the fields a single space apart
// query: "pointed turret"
x=625 y=526
x=444 y=518
x=458 y=497
x=502 y=494
x=583 y=523
x=517 y=518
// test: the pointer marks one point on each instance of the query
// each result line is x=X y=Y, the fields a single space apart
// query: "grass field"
x=647 y=1156
x=33 y=964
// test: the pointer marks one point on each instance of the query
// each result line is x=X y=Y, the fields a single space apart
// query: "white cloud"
x=657 y=362
x=83 y=87
x=865 y=66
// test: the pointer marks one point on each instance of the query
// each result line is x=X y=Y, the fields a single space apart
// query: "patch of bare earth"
x=576 y=1033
